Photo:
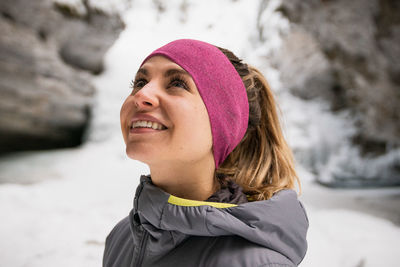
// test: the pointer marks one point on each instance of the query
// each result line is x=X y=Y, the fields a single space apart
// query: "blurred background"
x=65 y=68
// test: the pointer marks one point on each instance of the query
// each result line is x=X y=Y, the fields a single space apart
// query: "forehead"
x=159 y=63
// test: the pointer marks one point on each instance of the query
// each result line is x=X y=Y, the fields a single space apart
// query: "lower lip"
x=144 y=130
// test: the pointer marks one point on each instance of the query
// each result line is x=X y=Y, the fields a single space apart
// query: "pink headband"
x=220 y=87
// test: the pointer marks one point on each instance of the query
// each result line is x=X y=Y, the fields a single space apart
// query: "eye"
x=179 y=82
x=137 y=84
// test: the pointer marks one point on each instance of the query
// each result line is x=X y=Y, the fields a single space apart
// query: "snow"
x=348 y=238
x=57 y=207
x=343 y=231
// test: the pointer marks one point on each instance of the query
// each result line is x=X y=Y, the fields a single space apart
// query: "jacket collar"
x=279 y=223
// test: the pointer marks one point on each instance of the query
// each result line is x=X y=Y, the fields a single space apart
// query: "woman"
x=219 y=191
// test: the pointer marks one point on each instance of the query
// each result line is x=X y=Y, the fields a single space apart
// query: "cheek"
x=204 y=125
x=123 y=115
x=126 y=108
x=198 y=128
x=123 y=111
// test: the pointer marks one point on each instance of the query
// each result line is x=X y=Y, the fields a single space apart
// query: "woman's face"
x=165 y=93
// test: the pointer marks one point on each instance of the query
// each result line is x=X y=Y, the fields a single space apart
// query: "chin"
x=142 y=155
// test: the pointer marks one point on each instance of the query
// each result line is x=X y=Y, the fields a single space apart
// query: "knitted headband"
x=220 y=87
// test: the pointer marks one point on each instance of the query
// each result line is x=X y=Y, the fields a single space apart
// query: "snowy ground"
x=65 y=202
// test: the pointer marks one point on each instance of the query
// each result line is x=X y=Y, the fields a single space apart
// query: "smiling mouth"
x=148 y=124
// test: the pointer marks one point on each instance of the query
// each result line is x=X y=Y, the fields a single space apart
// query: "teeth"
x=147 y=124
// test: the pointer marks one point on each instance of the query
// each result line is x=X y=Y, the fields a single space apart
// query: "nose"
x=147 y=97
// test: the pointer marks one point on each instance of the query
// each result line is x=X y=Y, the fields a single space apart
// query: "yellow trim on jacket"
x=195 y=203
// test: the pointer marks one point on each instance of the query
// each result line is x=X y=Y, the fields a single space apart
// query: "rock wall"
x=347 y=54
x=48 y=54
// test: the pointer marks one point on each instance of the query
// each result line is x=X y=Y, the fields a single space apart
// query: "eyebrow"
x=168 y=73
x=142 y=71
x=171 y=72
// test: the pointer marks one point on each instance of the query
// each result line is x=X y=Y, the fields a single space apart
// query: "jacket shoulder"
x=223 y=251
x=242 y=252
x=119 y=246
x=119 y=230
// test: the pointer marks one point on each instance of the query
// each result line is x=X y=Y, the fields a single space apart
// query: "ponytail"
x=262 y=163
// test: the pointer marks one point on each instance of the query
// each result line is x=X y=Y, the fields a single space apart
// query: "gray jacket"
x=163 y=230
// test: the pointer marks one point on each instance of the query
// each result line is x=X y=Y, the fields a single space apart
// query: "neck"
x=190 y=181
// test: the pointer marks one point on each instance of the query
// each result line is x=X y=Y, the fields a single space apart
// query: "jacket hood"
x=279 y=223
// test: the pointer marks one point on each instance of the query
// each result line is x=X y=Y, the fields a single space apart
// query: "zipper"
x=145 y=235
x=142 y=250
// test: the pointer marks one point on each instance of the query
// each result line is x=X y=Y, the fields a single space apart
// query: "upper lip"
x=145 y=117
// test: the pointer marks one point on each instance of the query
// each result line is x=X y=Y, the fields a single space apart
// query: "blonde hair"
x=262 y=163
